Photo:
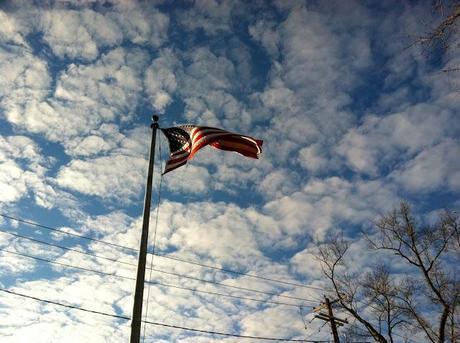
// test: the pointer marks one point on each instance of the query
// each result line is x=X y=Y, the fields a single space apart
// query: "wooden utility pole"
x=140 y=279
x=332 y=321
x=329 y=317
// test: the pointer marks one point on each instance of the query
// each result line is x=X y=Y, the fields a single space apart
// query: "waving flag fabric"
x=186 y=140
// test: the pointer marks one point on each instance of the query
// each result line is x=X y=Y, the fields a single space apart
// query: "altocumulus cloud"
x=350 y=126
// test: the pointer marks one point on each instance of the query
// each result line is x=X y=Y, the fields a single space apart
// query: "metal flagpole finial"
x=155 y=119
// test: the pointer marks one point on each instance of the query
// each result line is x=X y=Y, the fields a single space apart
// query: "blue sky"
x=352 y=123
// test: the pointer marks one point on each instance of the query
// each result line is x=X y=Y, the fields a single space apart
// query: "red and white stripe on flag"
x=186 y=140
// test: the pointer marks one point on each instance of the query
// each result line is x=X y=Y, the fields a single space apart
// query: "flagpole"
x=140 y=279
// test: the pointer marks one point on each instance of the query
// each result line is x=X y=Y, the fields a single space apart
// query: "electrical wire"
x=28 y=222
x=233 y=335
x=163 y=255
x=151 y=269
x=67 y=265
x=129 y=278
x=239 y=273
x=156 y=283
x=64 y=248
x=155 y=323
x=232 y=286
x=149 y=282
x=224 y=295
x=63 y=305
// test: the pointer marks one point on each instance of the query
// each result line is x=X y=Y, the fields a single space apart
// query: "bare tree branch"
x=393 y=302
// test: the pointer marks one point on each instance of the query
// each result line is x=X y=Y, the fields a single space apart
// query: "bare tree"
x=444 y=34
x=385 y=303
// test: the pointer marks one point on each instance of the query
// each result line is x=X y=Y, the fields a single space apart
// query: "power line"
x=164 y=256
x=232 y=335
x=152 y=269
x=28 y=222
x=239 y=273
x=64 y=248
x=63 y=305
x=150 y=282
x=131 y=264
x=231 y=286
x=156 y=323
x=67 y=265
x=159 y=271
x=224 y=295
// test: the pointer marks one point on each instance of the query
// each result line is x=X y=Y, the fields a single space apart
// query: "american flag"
x=186 y=140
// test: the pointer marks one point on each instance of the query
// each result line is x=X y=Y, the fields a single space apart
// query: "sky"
x=352 y=120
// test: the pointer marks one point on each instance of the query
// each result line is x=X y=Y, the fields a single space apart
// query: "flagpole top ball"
x=155 y=119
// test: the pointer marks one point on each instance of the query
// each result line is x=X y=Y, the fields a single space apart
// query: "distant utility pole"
x=332 y=320
x=329 y=317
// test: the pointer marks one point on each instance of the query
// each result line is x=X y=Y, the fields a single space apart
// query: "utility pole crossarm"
x=325 y=316
x=329 y=317
x=332 y=320
x=319 y=308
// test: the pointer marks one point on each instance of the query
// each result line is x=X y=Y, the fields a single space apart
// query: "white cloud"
x=91 y=292
x=9 y=31
x=67 y=37
x=277 y=183
x=113 y=177
x=107 y=139
x=381 y=141
x=113 y=82
x=223 y=231
x=133 y=142
x=208 y=85
x=217 y=230
x=20 y=147
x=160 y=80
x=266 y=33
x=12 y=183
x=303 y=108
x=91 y=145
x=210 y=15
x=324 y=204
x=22 y=170
x=25 y=79
x=143 y=25
x=189 y=179
x=13 y=264
x=311 y=84
x=103 y=30
x=311 y=158
x=85 y=95
x=171 y=305
x=433 y=168
x=358 y=151
x=274 y=322
x=83 y=33
x=207 y=70
x=114 y=223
